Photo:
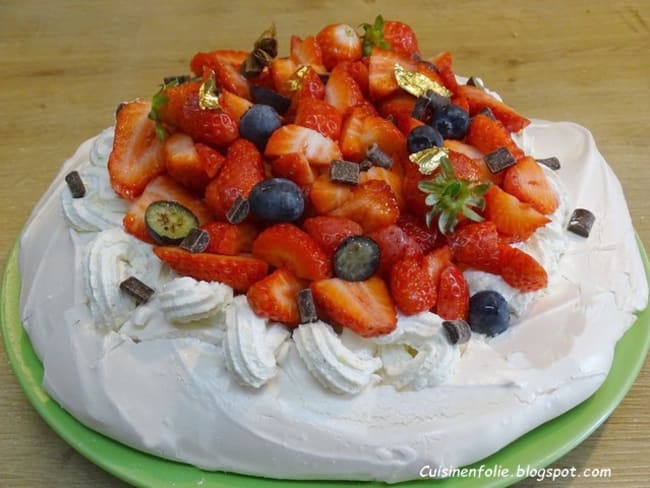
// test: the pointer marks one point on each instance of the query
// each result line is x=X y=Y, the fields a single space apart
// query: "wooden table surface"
x=66 y=65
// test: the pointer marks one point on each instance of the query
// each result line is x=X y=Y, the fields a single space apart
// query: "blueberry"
x=451 y=121
x=488 y=313
x=276 y=200
x=266 y=96
x=356 y=258
x=258 y=123
x=423 y=137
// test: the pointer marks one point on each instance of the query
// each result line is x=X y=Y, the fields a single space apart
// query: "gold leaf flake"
x=418 y=84
x=295 y=80
x=209 y=99
x=428 y=159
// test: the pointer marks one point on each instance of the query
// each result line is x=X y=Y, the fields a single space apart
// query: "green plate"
x=535 y=450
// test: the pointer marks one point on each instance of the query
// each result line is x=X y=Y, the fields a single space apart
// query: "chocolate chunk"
x=458 y=331
x=239 y=210
x=76 y=185
x=499 y=160
x=306 y=306
x=196 y=241
x=324 y=77
x=379 y=157
x=178 y=80
x=365 y=164
x=421 y=108
x=136 y=289
x=552 y=162
x=581 y=222
x=344 y=172
x=487 y=111
x=477 y=82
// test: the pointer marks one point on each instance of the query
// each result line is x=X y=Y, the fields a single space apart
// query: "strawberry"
x=318 y=149
x=137 y=156
x=390 y=34
x=183 y=163
x=466 y=168
x=282 y=69
x=358 y=70
x=381 y=71
x=274 y=296
x=306 y=52
x=394 y=245
x=208 y=60
x=479 y=99
x=453 y=295
x=234 y=105
x=372 y=204
x=436 y=262
x=287 y=245
x=173 y=99
x=526 y=180
x=342 y=91
x=442 y=62
x=488 y=135
x=326 y=195
x=338 y=42
x=513 y=218
x=400 y=103
x=427 y=238
x=521 y=270
x=213 y=127
x=459 y=152
x=320 y=116
x=230 y=239
x=311 y=87
x=329 y=231
x=405 y=123
x=411 y=286
x=211 y=159
x=462 y=148
x=241 y=170
x=239 y=272
x=476 y=245
x=365 y=307
x=162 y=188
x=360 y=132
x=230 y=78
x=390 y=177
x=295 y=167
x=413 y=196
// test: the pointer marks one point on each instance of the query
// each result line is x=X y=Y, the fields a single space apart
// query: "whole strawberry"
x=338 y=42
x=390 y=34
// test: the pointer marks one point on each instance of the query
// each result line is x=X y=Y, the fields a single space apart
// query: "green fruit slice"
x=168 y=222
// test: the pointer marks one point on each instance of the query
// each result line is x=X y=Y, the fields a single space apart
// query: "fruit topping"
x=499 y=159
x=329 y=231
x=372 y=204
x=451 y=121
x=520 y=270
x=231 y=239
x=527 y=181
x=344 y=172
x=488 y=135
x=581 y=222
x=274 y=296
x=136 y=289
x=423 y=137
x=169 y=222
x=258 y=123
x=457 y=331
x=453 y=294
x=478 y=99
x=265 y=96
x=338 y=42
x=295 y=167
x=413 y=288
x=306 y=306
x=476 y=245
x=513 y=218
x=390 y=34
x=318 y=149
x=197 y=240
x=276 y=200
x=184 y=164
x=356 y=258
x=488 y=313
x=75 y=184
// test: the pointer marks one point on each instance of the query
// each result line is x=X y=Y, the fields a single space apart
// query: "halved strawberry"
x=405 y=123
x=162 y=188
x=137 y=156
x=234 y=105
x=295 y=167
x=479 y=99
x=372 y=204
x=488 y=135
x=381 y=71
x=365 y=307
x=211 y=159
x=213 y=126
x=202 y=60
x=318 y=149
x=411 y=286
x=311 y=87
x=391 y=177
x=326 y=195
x=230 y=239
x=413 y=196
x=330 y=231
x=274 y=296
x=394 y=245
x=360 y=132
x=443 y=63
x=320 y=116
x=453 y=294
x=526 y=180
x=428 y=238
x=239 y=272
x=342 y=91
x=436 y=262
x=476 y=245
x=287 y=245
x=400 y=103
x=282 y=69
x=466 y=168
x=306 y=52
x=183 y=163
x=230 y=78
x=513 y=218
x=242 y=169
x=338 y=42
x=358 y=70
x=521 y=270
x=171 y=112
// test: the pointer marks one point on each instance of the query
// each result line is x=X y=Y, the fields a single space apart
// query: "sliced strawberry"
x=488 y=135
x=230 y=239
x=513 y=218
x=381 y=71
x=342 y=91
x=360 y=132
x=242 y=169
x=400 y=103
x=318 y=149
x=326 y=195
x=453 y=295
x=521 y=270
x=394 y=245
x=282 y=69
x=320 y=116
x=390 y=177
x=230 y=78
x=365 y=307
x=137 y=156
x=436 y=262
x=479 y=99
x=203 y=60
x=526 y=180
x=287 y=245
x=239 y=272
x=358 y=70
x=405 y=123
x=211 y=159
x=306 y=52
x=311 y=87
x=213 y=127
x=338 y=42
x=372 y=204
x=476 y=245
x=234 y=105
x=184 y=164
x=295 y=167
x=274 y=296
x=411 y=286
x=442 y=63
x=329 y=231
x=428 y=238
x=162 y=188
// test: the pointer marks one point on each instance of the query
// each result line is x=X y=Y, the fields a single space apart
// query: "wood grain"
x=66 y=65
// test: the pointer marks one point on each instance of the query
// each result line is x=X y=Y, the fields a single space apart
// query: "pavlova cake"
x=342 y=264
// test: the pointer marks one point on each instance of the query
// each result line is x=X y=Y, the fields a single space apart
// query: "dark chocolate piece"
x=552 y=162
x=487 y=111
x=581 y=222
x=76 y=185
x=324 y=77
x=136 y=289
x=179 y=80
x=499 y=160
x=379 y=157
x=196 y=241
x=421 y=108
x=239 y=210
x=458 y=331
x=306 y=306
x=344 y=172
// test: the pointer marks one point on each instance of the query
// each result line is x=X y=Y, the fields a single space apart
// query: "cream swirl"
x=335 y=366
x=251 y=347
x=185 y=299
x=110 y=258
x=102 y=147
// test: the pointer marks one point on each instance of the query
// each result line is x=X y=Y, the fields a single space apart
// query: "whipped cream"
x=185 y=299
